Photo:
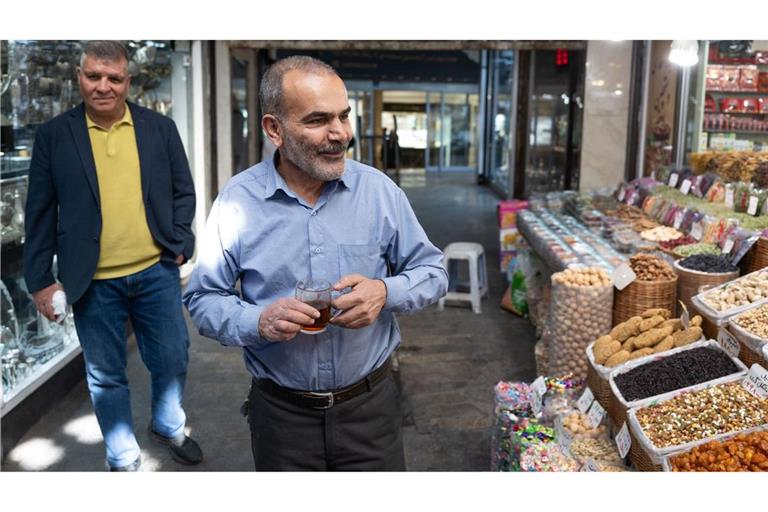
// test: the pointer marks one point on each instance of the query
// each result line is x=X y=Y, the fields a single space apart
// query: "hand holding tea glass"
x=315 y=293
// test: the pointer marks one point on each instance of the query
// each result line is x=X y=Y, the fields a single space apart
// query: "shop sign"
x=729 y=198
x=697 y=231
x=678 y=219
x=596 y=414
x=563 y=437
x=728 y=342
x=623 y=441
x=585 y=400
x=622 y=276
x=538 y=389
x=728 y=245
x=756 y=381
x=752 y=209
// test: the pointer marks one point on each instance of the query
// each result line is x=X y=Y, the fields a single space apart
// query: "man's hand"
x=44 y=300
x=282 y=320
x=179 y=259
x=363 y=304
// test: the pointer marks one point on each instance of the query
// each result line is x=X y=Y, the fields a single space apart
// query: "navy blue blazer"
x=63 y=215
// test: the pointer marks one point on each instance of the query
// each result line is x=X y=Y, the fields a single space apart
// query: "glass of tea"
x=316 y=293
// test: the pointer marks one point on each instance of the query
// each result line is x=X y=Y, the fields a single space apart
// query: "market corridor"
x=447 y=366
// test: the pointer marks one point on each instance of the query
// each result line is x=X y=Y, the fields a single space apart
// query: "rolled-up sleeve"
x=418 y=276
x=216 y=308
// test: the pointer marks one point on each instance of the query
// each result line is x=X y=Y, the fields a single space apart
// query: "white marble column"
x=606 y=111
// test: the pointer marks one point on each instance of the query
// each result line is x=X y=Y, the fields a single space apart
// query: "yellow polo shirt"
x=126 y=245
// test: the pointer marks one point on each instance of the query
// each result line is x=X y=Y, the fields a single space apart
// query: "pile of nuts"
x=651 y=268
x=650 y=333
x=579 y=312
x=744 y=452
x=754 y=321
x=601 y=449
x=696 y=415
x=577 y=423
x=741 y=292
x=661 y=234
x=583 y=277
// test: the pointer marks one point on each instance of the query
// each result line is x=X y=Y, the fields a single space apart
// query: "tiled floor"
x=448 y=364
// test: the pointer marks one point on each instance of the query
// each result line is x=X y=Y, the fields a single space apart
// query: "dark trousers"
x=363 y=434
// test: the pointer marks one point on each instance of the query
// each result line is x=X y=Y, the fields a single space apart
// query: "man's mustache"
x=337 y=147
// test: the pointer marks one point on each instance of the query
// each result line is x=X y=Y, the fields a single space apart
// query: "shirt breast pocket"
x=361 y=259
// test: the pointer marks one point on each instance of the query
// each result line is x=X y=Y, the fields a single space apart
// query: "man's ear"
x=272 y=128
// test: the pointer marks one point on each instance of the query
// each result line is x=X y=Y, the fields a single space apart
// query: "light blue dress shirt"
x=266 y=236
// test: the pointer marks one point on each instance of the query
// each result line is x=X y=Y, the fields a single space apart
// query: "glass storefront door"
x=451 y=131
x=502 y=118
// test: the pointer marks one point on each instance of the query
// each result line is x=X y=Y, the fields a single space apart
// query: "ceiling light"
x=684 y=52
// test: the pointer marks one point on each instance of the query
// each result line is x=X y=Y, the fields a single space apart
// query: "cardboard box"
x=507 y=211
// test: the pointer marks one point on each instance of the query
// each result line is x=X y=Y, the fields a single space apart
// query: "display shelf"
x=765 y=133
x=749 y=93
x=27 y=386
x=716 y=112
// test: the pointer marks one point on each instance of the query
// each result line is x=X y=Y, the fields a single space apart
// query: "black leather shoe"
x=133 y=466
x=183 y=449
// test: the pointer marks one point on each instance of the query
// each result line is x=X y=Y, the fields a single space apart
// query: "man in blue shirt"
x=325 y=401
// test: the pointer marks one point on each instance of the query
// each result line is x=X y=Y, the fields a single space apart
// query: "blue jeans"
x=152 y=300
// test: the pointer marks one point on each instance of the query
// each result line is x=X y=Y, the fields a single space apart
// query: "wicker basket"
x=601 y=388
x=690 y=281
x=756 y=258
x=640 y=459
x=642 y=295
x=750 y=357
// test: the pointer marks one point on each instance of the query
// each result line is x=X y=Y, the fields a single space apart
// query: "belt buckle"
x=327 y=395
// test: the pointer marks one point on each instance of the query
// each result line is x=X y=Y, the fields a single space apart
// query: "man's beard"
x=307 y=158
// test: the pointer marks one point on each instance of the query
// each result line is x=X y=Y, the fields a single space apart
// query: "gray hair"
x=104 y=50
x=271 y=90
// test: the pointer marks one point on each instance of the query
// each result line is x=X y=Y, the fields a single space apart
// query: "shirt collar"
x=275 y=180
x=126 y=119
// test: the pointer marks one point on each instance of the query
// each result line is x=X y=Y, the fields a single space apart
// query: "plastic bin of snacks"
x=683 y=368
x=678 y=421
x=722 y=302
x=751 y=329
x=729 y=453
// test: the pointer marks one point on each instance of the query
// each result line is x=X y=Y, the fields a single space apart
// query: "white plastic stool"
x=478 y=280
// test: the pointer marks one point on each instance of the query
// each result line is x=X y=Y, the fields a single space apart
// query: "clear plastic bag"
x=578 y=316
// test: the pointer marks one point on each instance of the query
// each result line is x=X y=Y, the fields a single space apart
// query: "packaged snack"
x=729 y=78
x=710 y=105
x=762 y=104
x=748 y=105
x=713 y=78
x=748 y=78
x=727 y=105
x=762 y=81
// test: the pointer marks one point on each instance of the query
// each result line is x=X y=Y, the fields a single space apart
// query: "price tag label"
x=623 y=441
x=756 y=381
x=538 y=389
x=622 y=193
x=752 y=209
x=685 y=187
x=678 y=219
x=729 y=198
x=563 y=436
x=728 y=246
x=728 y=342
x=590 y=465
x=596 y=414
x=673 y=179
x=622 y=276
x=697 y=231
x=585 y=400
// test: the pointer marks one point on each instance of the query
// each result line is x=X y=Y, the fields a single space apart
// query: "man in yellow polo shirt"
x=111 y=195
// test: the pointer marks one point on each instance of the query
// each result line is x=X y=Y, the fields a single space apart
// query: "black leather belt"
x=325 y=400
